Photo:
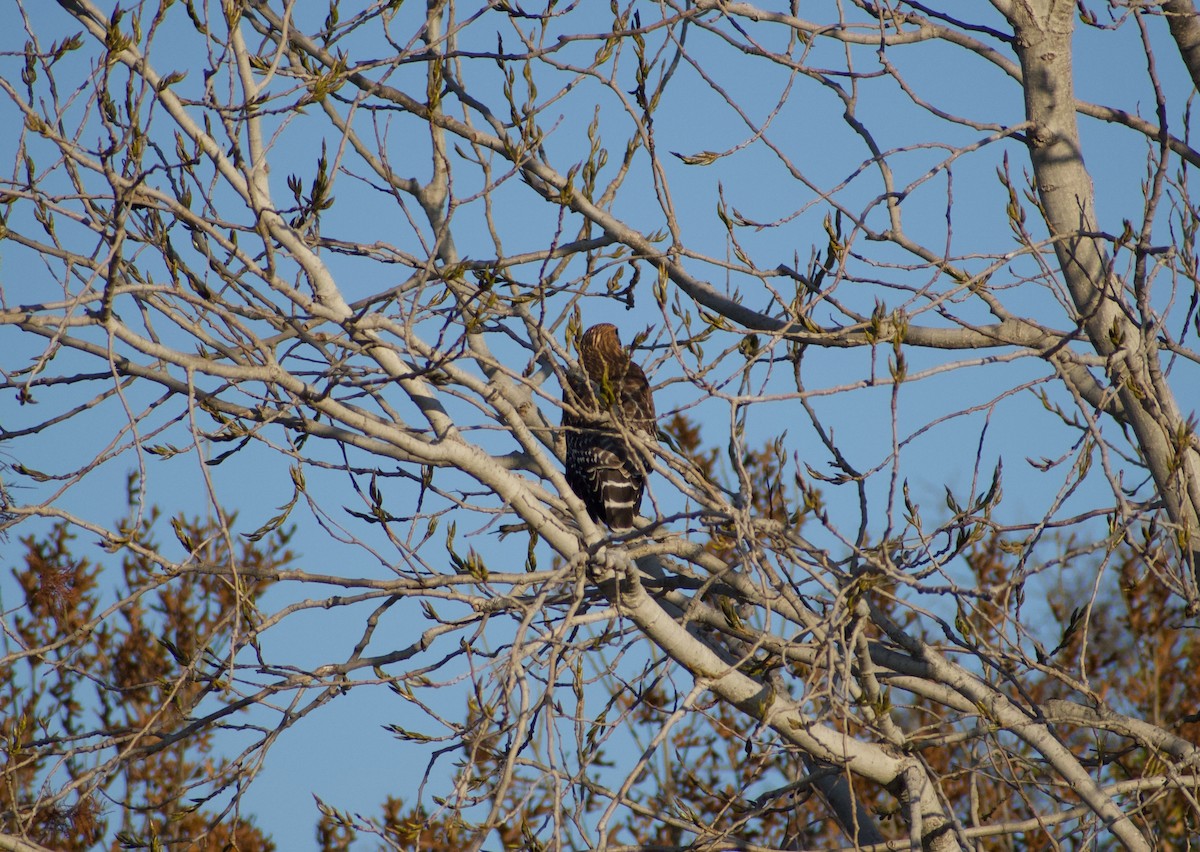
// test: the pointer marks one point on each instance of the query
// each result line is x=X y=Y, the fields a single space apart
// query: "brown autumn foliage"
x=148 y=675
x=81 y=689
x=1119 y=637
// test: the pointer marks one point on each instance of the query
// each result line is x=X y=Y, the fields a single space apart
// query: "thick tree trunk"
x=1043 y=31
x=1184 y=22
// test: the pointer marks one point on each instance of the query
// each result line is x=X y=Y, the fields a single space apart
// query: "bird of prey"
x=607 y=403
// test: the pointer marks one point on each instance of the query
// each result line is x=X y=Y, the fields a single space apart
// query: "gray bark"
x=1043 y=30
x=1184 y=22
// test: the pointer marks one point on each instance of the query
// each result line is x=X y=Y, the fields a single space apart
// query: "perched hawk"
x=605 y=466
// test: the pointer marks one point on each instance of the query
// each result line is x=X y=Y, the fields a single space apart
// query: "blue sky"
x=342 y=753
